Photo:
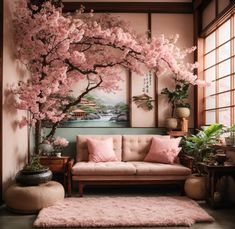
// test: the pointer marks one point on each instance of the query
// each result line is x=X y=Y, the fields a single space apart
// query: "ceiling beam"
x=200 y=3
x=131 y=7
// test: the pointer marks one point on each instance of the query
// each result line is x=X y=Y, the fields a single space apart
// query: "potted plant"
x=58 y=144
x=176 y=98
x=200 y=147
x=34 y=173
x=182 y=110
x=229 y=140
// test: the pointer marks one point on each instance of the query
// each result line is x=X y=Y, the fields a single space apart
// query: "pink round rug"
x=122 y=211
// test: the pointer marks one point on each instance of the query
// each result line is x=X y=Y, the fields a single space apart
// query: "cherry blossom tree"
x=59 y=49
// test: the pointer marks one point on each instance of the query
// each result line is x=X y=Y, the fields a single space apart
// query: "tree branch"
x=76 y=102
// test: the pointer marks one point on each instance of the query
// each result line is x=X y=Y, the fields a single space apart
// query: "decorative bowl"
x=220 y=158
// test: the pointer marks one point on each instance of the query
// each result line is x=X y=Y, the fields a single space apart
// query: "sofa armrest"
x=187 y=161
x=70 y=164
x=68 y=174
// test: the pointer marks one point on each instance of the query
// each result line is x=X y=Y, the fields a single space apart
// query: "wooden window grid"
x=231 y=75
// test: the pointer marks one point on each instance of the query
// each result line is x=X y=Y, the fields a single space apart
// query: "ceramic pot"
x=46 y=148
x=229 y=141
x=31 y=178
x=171 y=123
x=58 y=154
x=195 y=187
x=220 y=158
x=182 y=112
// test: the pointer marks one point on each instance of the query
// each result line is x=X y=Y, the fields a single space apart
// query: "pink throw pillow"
x=163 y=150
x=101 y=150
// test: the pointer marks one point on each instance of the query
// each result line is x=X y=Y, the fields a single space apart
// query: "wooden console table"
x=215 y=173
x=60 y=165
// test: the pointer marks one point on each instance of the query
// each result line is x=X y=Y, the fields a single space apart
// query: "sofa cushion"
x=101 y=150
x=135 y=147
x=168 y=156
x=103 y=168
x=163 y=150
x=150 y=168
x=82 y=147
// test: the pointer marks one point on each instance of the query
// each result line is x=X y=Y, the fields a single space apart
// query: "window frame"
x=199 y=34
x=217 y=80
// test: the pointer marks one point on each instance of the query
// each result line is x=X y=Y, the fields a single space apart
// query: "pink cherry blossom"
x=61 y=142
x=61 y=49
x=23 y=122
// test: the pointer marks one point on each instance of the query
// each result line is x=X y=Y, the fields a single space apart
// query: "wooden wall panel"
x=1 y=91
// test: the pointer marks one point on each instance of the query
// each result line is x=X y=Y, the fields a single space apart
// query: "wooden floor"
x=224 y=218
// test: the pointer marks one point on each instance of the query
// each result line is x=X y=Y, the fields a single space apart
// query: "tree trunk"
x=37 y=136
x=52 y=132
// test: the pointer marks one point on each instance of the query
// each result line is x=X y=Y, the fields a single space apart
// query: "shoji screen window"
x=219 y=70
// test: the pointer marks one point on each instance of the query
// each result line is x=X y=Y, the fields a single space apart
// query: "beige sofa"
x=130 y=150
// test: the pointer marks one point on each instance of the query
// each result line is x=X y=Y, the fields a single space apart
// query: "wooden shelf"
x=214 y=174
x=224 y=147
x=175 y=133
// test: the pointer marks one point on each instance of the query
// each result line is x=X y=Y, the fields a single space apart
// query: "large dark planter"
x=31 y=178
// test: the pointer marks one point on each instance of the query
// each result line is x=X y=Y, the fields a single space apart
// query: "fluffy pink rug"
x=122 y=211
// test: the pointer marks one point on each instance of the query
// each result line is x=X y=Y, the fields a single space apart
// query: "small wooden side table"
x=60 y=165
x=215 y=173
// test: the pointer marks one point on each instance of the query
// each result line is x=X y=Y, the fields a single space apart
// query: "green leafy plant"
x=200 y=145
x=34 y=165
x=183 y=104
x=177 y=96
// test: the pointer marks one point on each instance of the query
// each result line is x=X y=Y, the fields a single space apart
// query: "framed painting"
x=143 y=105
x=100 y=108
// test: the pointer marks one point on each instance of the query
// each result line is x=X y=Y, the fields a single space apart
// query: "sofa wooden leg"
x=80 y=188
x=69 y=187
x=182 y=192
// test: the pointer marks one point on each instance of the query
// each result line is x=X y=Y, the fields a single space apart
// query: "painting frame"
x=105 y=119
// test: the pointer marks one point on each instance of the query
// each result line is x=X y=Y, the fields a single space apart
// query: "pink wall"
x=139 y=22
x=14 y=139
x=181 y=24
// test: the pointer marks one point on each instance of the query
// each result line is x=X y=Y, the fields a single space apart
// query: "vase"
x=46 y=149
x=229 y=141
x=31 y=178
x=195 y=187
x=171 y=123
x=58 y=154
x=182 y=112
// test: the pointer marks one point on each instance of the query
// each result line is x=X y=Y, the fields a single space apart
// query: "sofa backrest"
x=82 y=148
x=135 y=147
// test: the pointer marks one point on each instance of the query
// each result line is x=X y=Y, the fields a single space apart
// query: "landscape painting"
x=100 y=108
